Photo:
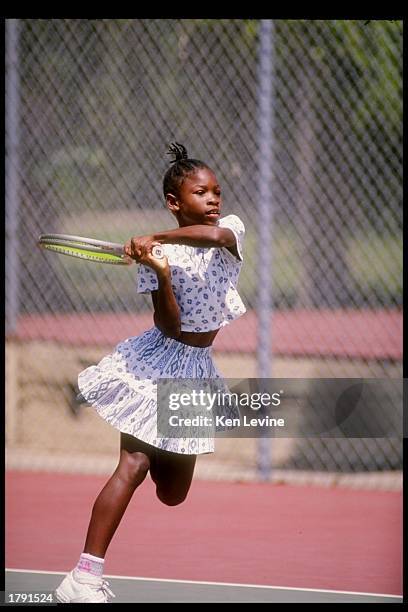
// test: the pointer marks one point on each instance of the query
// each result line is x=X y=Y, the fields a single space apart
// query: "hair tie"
x=178 y=150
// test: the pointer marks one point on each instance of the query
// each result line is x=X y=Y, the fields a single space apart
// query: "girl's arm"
x=197 y=235
x=191 y=235
x=166 y=310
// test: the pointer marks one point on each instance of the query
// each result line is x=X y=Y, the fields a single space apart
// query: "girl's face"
x=198 y=200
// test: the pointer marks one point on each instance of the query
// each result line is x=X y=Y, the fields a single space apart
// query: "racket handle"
x=157 y=251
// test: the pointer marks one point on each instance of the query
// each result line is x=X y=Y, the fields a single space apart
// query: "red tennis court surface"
x=365 y=334
x=253 y=533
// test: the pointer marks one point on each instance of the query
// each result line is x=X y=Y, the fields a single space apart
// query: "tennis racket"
x=90 y=249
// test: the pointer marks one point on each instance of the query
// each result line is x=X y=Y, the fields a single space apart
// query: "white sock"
x=90 y=565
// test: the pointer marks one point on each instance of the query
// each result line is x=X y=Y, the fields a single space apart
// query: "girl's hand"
x=139 y=248
x=135 y=246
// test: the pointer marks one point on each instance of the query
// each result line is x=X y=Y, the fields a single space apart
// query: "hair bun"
x=178 y=150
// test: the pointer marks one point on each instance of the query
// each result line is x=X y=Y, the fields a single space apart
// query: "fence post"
x=265 y=220
x=12 y=173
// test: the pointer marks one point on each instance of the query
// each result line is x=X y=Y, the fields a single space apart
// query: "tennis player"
x=194 y=295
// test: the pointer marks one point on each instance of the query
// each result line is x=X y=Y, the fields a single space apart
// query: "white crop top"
x=204 y=281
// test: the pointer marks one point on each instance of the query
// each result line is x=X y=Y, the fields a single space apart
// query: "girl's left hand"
x=139 y=248
x=135 y=246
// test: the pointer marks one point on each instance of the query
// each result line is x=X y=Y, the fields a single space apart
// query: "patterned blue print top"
x=204 y=281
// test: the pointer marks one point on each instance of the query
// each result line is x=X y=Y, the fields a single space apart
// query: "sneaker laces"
x=104 y=588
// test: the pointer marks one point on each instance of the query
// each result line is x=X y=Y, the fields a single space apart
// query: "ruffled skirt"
x=123 y=386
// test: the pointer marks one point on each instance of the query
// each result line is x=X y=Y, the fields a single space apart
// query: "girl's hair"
x=182 y=166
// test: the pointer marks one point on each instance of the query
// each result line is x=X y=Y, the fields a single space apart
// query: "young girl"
x=194 y=294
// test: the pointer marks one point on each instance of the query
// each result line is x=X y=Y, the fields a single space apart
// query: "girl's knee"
x=133 y=466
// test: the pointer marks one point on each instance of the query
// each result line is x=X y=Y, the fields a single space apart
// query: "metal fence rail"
x=90 y=108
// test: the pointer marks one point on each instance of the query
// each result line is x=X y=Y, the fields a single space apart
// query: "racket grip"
x=157 y=251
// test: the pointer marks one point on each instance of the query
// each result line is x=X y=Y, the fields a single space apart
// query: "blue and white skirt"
x=123 y=386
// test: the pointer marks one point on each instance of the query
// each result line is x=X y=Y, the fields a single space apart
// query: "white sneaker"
x=76 y=588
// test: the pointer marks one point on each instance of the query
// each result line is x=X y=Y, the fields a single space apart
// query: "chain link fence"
x=91 y=106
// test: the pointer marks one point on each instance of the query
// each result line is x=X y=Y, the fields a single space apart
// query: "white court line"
x=231 y=584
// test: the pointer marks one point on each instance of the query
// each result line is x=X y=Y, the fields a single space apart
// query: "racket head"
x=89 y=249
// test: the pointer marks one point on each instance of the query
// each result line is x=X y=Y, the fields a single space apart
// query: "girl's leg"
x=111 y=503
x=172 y=473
